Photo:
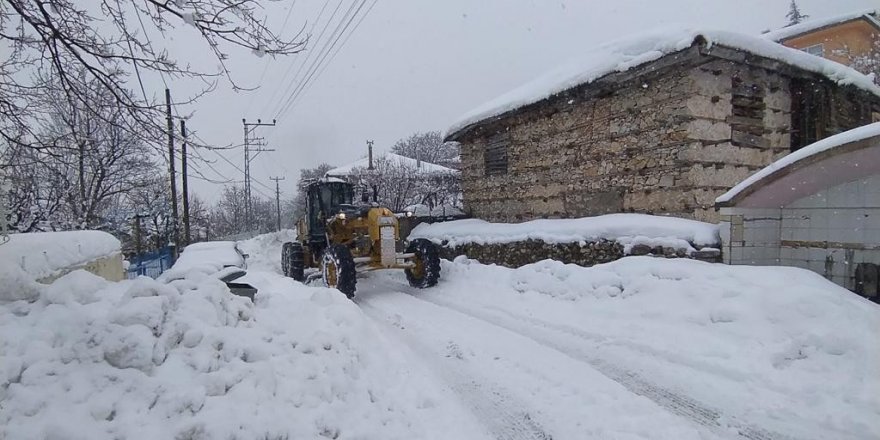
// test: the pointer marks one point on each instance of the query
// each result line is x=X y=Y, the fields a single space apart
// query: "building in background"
x=852 y=39
x=662 y=123
x=818 y=209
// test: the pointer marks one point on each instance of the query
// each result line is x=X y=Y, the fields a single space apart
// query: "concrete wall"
x=667 y=141
x=829 y=232
x=109 y=268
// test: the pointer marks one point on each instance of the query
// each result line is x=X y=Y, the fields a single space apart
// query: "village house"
x=846 y=39
x=661 y=124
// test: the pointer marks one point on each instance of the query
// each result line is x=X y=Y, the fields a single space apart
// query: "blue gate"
x=151 y=264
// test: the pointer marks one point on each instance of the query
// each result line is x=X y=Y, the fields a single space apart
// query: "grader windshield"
x=325 y=200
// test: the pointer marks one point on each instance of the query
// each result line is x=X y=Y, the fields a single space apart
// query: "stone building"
x=818 y=209
x=659 y=124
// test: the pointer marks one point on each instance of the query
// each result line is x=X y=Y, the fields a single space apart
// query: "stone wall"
x=521 y=253
x=666 y=140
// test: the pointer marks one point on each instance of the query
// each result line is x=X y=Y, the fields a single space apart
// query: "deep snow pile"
x=140 y=359
x=204 y=258
x=43 y=254
x=781 y=347
x=626 y=229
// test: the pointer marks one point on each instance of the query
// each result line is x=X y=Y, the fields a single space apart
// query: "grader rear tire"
x=292 y=261
x=426 y=271
x=338 y=271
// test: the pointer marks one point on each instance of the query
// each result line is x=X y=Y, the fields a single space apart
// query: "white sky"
x=416 y=65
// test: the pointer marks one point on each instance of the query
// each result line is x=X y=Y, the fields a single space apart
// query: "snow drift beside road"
x=140 y=359
x=627 y=229
x=781 y=347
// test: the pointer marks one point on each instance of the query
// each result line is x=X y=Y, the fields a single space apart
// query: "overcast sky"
x=416 y=65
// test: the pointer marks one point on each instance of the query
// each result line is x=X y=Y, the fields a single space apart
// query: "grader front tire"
x=426 y=270
x=338 y=271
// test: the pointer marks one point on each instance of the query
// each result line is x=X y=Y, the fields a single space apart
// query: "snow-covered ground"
x=639 y=348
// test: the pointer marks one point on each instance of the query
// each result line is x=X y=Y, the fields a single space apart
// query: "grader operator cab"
x=342 y=239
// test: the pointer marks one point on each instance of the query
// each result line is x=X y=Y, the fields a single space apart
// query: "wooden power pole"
x=277 y=200
x=175 y=230
x=183 y=171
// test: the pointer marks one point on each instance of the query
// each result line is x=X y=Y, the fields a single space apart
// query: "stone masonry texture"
x=658 y=143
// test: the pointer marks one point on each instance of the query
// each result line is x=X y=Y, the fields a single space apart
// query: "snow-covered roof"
x=44 y=254
x=624 y=54
x=778 y=167
x=789 y=32
x=396 y=159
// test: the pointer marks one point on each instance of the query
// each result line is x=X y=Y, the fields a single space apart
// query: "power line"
x=292 y=82
x=319 y=61
x=266 y=64
x=339 y=49
x=325 y=49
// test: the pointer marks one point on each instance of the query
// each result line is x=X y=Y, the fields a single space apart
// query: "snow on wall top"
x=847 y=137
x=396 y=159
x=807 y=26
x=627 y=229
x=624 y=54
x=43 y=254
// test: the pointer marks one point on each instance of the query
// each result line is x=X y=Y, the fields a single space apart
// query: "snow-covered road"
x=642 y=348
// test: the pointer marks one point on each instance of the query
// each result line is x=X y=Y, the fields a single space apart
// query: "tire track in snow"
x=503 y=415
x=672 y=401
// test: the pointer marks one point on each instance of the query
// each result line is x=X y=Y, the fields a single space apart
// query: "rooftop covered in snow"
x=394 y=159
x=789 y=32
x=841 y=158
x=622 y=55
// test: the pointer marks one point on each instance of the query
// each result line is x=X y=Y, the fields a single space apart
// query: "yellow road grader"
x=342 y=239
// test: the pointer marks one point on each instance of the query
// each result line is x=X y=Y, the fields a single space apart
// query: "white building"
x=817 y=208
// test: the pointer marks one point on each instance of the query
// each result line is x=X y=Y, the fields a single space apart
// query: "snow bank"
x=626 y=229
x=44 y=254
x=728 y=336
x=847 y=137
x=807 y=26
x=624 y=54
x=140 y=359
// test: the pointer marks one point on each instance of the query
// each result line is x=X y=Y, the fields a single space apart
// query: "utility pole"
x=249 y=127
x=183 y=170
x=370 y=154
x=277 y=200
x=175 y=230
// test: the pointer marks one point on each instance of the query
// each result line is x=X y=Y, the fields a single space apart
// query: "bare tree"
x=110 y=41
x=428 y=147
x=91 y=156
x=867 y=62
x=151 y=203
x=227 y=216
x=398 y=184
